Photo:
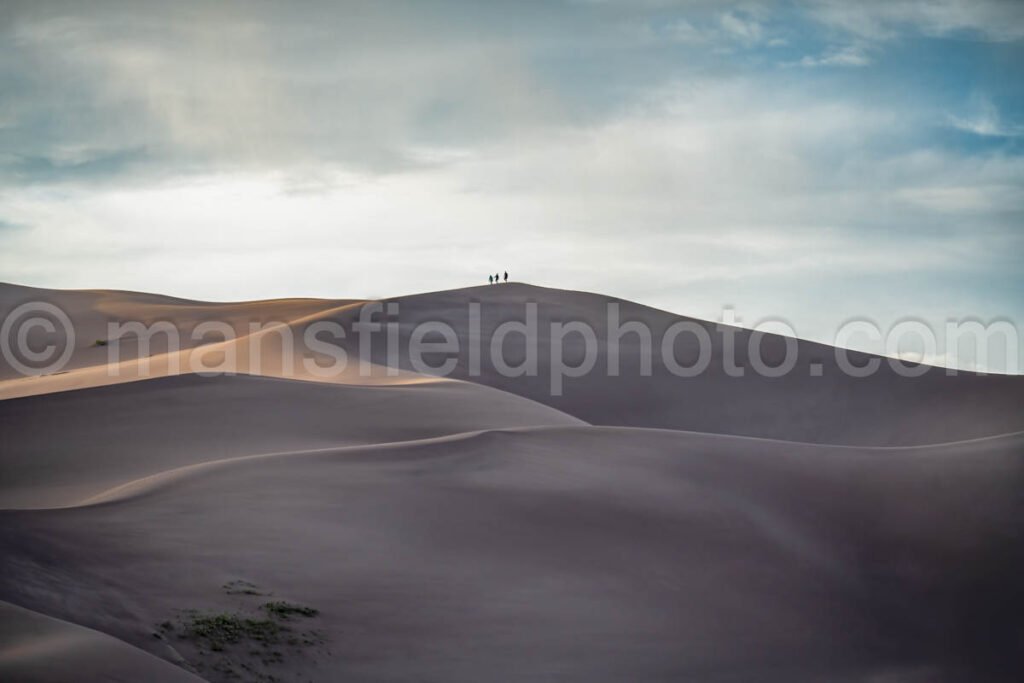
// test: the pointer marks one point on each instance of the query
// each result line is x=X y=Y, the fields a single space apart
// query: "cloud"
x=873 y=23
x=722 y=32
x=746 y=190
x=985 y=120
x=850 y=55
x=995 y=20
x=213 y=87
x=743 y=29
x=226 y=151
x=682 y=31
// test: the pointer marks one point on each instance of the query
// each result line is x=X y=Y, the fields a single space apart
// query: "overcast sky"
x=811 y=161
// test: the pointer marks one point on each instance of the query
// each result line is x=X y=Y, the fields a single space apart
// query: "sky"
x=812 y=162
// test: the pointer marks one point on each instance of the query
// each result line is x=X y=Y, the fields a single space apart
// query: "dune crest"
x=637 y=526
x=815 y=402
x=260 y=351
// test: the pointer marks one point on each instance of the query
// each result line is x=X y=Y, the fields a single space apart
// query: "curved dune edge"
x=153 y=483
x=35 y=648
x=113 y=435
x=689 y=552
x=192 y=360
x=591 y=553
x=139 y=488
x=883 y=409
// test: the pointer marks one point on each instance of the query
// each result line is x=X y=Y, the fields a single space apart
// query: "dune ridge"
x=92 y=309
x=163 y=479
x=110 y=435
x=884 y=409
x=478 y=527
x=692 y=553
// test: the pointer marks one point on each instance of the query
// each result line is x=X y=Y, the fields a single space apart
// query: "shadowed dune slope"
x=62 y=448
x=37 y=649
x=570 y=554
x=882 y=409
x=482 y=530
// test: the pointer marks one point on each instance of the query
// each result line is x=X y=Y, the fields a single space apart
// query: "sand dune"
x=92 y=310
x=255 y=347
x=37 y=649
x=66 y=447
x=884 y=409
x=575 y=553
x=481 y=529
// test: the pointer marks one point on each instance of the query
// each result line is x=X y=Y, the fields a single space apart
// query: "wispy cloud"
x=996 y=20
x=985 y=120
x=849 y=55
x=722 y=31
x=860 y=29
x=746 y=30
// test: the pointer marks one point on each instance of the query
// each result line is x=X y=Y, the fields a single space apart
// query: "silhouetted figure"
x=496 y=279
x=506 y=276
x=490 y=280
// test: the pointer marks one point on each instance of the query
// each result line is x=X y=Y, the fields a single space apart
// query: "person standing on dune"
x=490 y=280
x=506 y=276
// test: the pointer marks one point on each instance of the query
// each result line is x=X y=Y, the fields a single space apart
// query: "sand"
x=36 y=648
x=479 y=529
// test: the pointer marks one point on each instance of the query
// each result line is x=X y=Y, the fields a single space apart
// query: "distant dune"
x=880 y=410
x=479 y=528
